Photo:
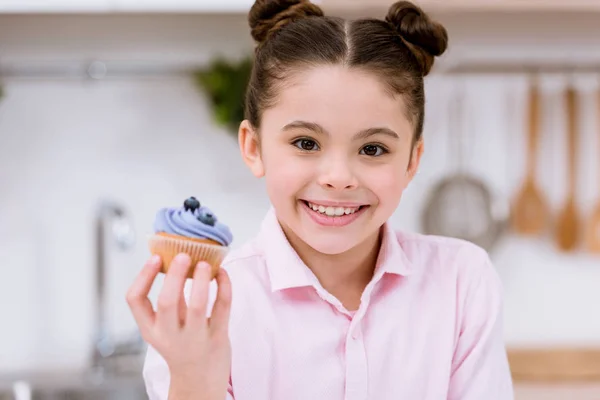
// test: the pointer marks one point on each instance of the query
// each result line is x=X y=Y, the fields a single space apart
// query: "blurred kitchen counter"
x=525 y=391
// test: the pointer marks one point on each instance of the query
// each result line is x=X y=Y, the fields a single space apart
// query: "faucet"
x=105 y=350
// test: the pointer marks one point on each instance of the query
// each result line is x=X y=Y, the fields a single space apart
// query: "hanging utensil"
x=530 y=210
x=567 y=227
x=461 y=205
x=593 y=229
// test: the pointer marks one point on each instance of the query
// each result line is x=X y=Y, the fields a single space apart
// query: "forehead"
x=338 y=98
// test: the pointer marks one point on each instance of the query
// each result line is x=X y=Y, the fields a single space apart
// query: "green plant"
x=225 y=85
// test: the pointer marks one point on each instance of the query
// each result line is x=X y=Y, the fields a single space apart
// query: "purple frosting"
x=178 y=221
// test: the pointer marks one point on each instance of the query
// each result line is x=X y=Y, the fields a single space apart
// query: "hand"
x=196 y=348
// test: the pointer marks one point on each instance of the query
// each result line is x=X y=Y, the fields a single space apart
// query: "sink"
x=63 y=386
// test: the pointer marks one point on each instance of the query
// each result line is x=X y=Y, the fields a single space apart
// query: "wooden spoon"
x=593 y=232
x=530 y=212
x=567 y=227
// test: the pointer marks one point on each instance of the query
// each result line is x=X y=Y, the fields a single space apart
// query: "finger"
x=182 y=309
x=137 y=295
x=219 y=320
x=168 y=303
x=197 y=306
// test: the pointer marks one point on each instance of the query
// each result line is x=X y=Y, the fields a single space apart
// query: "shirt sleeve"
x=156 y=371
x=480 y=368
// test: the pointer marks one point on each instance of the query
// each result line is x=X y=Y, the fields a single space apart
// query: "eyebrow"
x=364 y=134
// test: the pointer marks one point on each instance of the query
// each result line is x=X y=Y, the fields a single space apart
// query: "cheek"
x=284 y=174
x=387 y=183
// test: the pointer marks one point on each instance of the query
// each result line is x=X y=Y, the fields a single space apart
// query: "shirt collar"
x=286 y=270
x=392 y=259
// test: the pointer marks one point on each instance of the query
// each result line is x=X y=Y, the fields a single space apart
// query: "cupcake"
x=192 y=229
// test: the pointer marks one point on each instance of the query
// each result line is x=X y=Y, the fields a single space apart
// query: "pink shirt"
x=429 y=326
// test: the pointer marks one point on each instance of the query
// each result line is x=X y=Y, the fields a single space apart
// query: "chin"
x=330 y=246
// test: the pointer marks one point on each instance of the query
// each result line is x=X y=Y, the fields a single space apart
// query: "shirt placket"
x=356 y=362
x=357 y=373
x=357 y=379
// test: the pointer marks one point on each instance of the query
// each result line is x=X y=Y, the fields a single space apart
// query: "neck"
x=343 y=275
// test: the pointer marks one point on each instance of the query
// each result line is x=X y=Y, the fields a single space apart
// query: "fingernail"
x=155 y=259
x=203 y=265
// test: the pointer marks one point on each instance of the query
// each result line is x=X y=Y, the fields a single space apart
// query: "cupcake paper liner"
x=167 y=248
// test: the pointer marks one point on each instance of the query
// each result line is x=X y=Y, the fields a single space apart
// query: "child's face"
x=337 y=141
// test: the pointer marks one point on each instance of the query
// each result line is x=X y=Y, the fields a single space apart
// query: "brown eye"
x=306 y=144
x=372 y=150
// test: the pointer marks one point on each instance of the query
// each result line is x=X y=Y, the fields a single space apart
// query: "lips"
x=333 y=214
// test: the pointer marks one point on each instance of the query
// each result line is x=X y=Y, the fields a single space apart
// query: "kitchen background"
x=97 y=116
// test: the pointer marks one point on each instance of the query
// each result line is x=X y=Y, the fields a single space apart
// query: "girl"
x=329 y=302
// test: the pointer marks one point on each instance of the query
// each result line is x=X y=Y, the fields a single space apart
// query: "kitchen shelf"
x=555 y=365
x=352 y=6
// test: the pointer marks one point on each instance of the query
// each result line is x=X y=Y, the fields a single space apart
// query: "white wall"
x=151 y=143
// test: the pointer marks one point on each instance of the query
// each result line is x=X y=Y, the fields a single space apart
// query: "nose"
x=336 y=174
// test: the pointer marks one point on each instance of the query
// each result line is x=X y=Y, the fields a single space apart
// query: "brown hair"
x=292 y=34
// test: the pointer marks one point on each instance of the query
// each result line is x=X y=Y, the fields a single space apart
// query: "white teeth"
x=333 y=211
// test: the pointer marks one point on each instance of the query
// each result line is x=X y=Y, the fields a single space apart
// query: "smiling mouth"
x=332 y=211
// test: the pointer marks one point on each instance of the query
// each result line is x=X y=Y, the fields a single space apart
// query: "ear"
x=250 y=148
x=415 y=160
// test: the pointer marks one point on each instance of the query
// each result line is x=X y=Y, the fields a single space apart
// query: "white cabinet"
x=134 y=6
x=54 y=6
x=242 y=6
x=218 y=6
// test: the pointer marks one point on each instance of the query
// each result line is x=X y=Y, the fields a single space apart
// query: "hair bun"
x=268 y=16
x=426 y=38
